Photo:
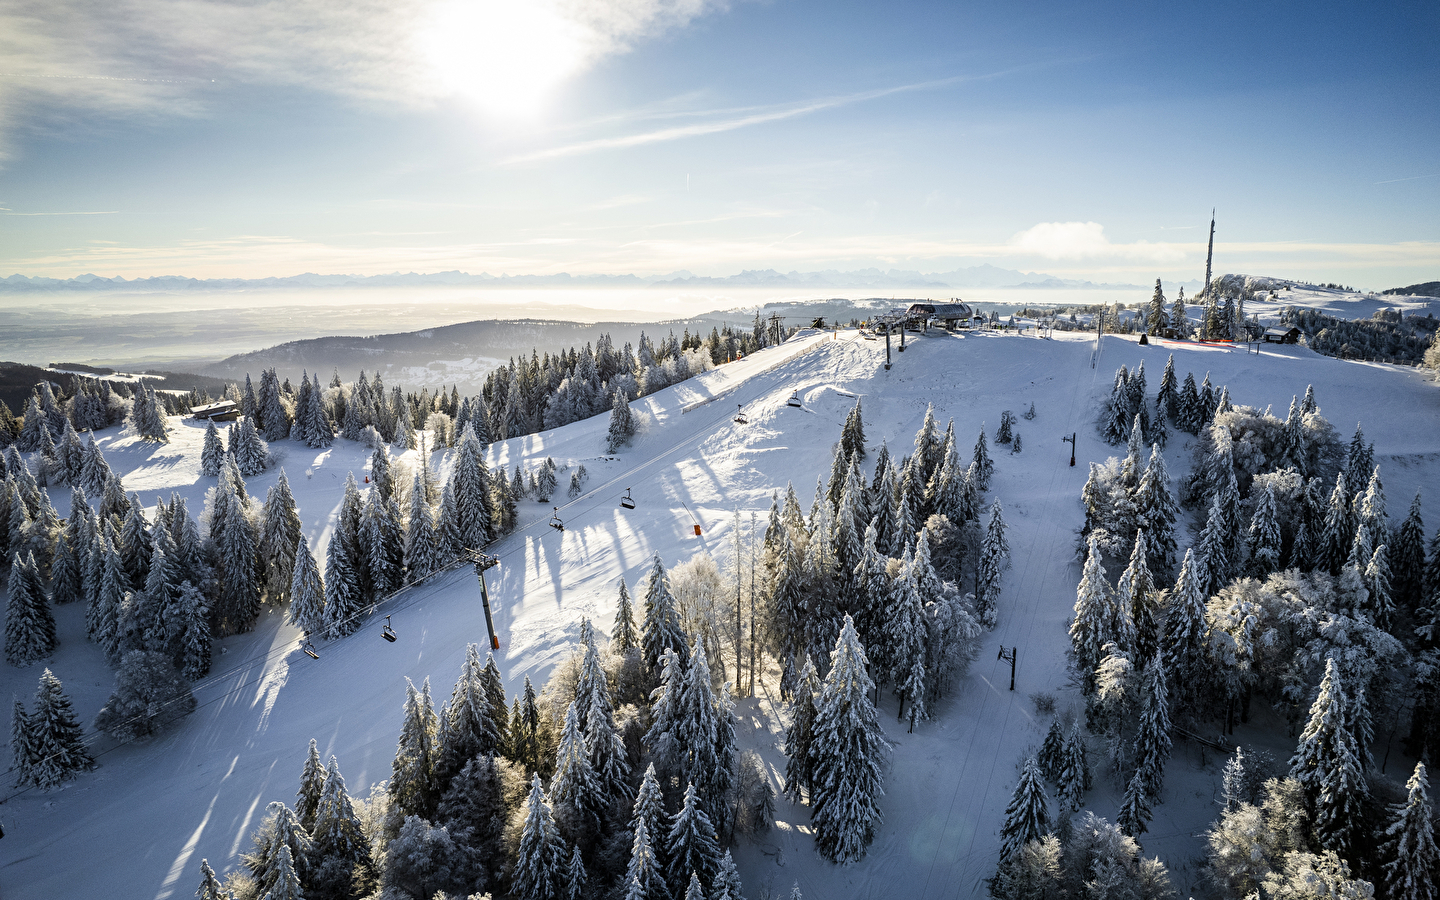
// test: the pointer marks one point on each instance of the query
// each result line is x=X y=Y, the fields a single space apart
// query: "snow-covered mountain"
x=139 y=825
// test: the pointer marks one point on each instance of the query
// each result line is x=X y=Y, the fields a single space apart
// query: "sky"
x=1084 y=140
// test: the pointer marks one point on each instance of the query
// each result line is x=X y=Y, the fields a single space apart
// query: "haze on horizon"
x=215 y=139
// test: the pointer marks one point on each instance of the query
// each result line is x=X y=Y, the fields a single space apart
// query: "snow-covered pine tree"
x=135 y=541
x=1263 y=540
x=1152 y=740
x=1409 y=843
x=644 y=877
x=213 y=451
x=902 y=623
x=281 y=858
x=847 y=755
x=1156 y=511
x=467 y=729
x=210 y=887
x=56 y=746
x=994 y=557
x=1137 y=605
x=1185 y=640
x=1379 y=604
x=1338 y=532
x=189 y=621
x=1327 y=765
x=384 y=544
x=608 y=758
x=1407 y=561
x=307 y=591
x=691 y=845
x=412 y=782
x=575 y=790
x=1074 y=775
x=984 y=468
x=662 y=629
x=339 y=842
x=801 y=734
x=29 y=625
x=470 y=478
x=1027 y=818
x=575 y=878
x=66 y=577
x=312 y=786
x=727 y=881
x=252 y=455
x=317 y=427
x=1090 y=629
x=343 y=603
x=622 y=424
x=236 y=549
x=852 y=436
x=279 y=538
x=22 y=745
x=1051 y=758
x=539 y=870
x=1134 y=815
x=149 y=694
x=1214 y=556
x=624 y=636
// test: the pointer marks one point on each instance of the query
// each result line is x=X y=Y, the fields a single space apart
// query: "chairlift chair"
x=309 y=648
x=740 y=415
x=387 y=632
x=627 y=501
x=794 y=400
x=555 y=522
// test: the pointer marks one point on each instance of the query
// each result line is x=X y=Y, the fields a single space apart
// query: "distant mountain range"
x=983 y=276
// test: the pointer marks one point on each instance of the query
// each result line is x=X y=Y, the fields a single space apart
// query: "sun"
x=505 y=56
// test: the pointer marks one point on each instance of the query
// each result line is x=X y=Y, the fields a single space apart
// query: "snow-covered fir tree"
x=539 y=863
x=1152 y=740
x=847 y=755
x=279 y=538
x=1027 y=818
x=1327 y=765
x=624 y=636
x=644 y=877
x=1134 y=816
x=54 y=748
x=622 y=424
x=575 y=789
x=994 y=556
x=801 y=733
x=339 y=843
x=1185 y=639
x=29 y=625
x=307 y=591
x=343 y=601
x=1090 y=630
x=412 y=780
x=312 y=786
x=1407 y=561
x=149 y=695
x=213 y=451
x=691 y=845
x=661 y=630
x=1411 y=858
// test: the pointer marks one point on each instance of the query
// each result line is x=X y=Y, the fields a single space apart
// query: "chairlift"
x=740 y=415
x=309 y=648
x=555 y=522
x=627 y=501
x=794 y=400
x=387 y=632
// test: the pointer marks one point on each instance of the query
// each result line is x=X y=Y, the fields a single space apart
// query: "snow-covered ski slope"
x=138 y=826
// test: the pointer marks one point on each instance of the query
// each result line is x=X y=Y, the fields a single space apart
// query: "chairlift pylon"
x=794 y=400
x=627 y=501
x=555 y=522
x=740 y=415
x=387 y=632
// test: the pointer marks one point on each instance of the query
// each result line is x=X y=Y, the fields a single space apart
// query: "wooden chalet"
x=1289 y=335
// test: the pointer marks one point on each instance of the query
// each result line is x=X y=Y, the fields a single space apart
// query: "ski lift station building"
x=950 y=314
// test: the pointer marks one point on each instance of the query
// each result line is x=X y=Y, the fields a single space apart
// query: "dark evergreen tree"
x=575 y=789
x=1407 y=561
x=343 y=602
x=213 y=452
x=1092 y=627
x=1152 y=742
x=983 y=467
x=1051 y=758
x=644 y=877
x=307 y=591
x=994 y=556
x=1134 y=816
x=412 y=782
x=149 y=695
x=692 y=846
x=801 y=734
x=852 y=436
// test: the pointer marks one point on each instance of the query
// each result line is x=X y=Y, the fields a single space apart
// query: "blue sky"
x=1086 y=140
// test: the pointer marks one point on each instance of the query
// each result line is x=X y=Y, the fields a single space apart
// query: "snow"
x=139 y=825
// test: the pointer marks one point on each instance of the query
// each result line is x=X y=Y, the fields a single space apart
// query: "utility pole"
x=1009 y=656
x=887 y=346
x=482 y=562
x=1071 y=441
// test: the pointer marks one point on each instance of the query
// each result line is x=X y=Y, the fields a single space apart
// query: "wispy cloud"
x=716 y=126
x=1411 y=178
x=1087 y=240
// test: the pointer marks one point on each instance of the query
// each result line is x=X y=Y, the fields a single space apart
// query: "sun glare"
x=505 y=56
